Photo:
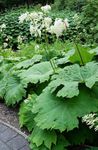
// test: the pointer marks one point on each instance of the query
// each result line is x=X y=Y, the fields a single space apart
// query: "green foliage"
x=53 y=109
x=27 y=63
x=61 y=144
x=39 y=136
x=14 y=91
x=11 y=89
x=53 y=118
x=69 y=78
x=13 y=29
x=73 y=4
x=90 y=19
x=25 y=113
x=53 y=102
x=38 y=73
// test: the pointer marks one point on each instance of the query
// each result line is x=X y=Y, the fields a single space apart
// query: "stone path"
x=11 y=138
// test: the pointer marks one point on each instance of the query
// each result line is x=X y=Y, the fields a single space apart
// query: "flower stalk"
x=77 y=48
x=47 y=52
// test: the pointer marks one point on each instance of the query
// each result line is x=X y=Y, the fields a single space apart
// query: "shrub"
x=90 y=19
x=72 y=5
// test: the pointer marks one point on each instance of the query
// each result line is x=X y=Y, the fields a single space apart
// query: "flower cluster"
x=19 y=39
x=91 y=120
x=41 y=23
x=23 y=17
x=59 y=27
x=3 y=26
x=46 y=8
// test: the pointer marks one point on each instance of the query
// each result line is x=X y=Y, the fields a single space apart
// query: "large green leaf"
x=45 y=137
x=29 y=62
x=67 y=81
x=26 y=117
x=54 y=113
x=14 y=90
x=38 y=73
x=66 y=57
x=61 y=144
x=94 y=51
x=34 y=147
x=84 y=52
x=2 y=88
x=90 y=74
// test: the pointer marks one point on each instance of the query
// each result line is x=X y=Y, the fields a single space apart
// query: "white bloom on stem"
x=47 y=22
x=24 y=17
x=26 y=101
x=19 y=38
x=37 y=47
x=76 y=17
x=91 y=120
x=58 y=28
x=46 y=8
x=33 y=15
x=3 y=26
x=38 y=33
x=5 y=45
x=66 y=22
x=96 y=128
x=40 y=15
x=6 y=39
x=34 y=30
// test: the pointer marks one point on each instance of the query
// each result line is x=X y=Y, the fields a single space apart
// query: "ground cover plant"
x=54 y=80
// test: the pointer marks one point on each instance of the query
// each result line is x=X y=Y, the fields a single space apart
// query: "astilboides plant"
x=54 y=114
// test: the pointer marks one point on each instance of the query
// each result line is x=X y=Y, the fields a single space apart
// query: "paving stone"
x=11 y=139
x=25 y=148
x=2 y=128
x=17 y=142
x=3 y=146
x=7 y=135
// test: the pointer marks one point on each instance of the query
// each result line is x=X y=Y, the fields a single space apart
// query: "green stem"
x=79 y=53
x=51 y=61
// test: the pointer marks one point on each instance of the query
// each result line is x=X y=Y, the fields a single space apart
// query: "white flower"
x=3 y=26
x=38 y=33
x=46 y=8
x=91 y=120
x=58 y=28
x=47 y=22
x=23 y=17
x=26 y=101
x=76 y=17
x=5 y=44
x=66 y=22
x=33 y=15
x=19 y=38
x=96 y=128
x=37 y=47
x=34 y=30
x=6 y=39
